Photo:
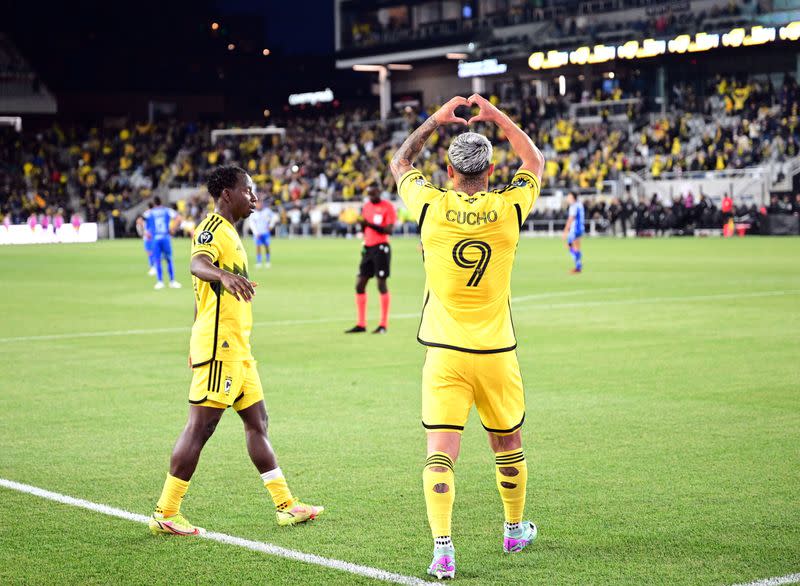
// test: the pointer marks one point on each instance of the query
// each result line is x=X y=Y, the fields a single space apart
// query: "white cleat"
x=159 y=285
x=258 y=265
x=152 y=271
x=268 y=265
x=174 y=285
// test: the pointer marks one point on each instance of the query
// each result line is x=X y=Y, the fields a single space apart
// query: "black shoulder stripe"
x=410 y=174
x=519 y=215
x=214 y=224
x=422 y=215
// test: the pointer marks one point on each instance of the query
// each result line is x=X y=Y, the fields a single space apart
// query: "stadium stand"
x=607 y=142
x=21 y=89
x=336 y=158
x=507 y=28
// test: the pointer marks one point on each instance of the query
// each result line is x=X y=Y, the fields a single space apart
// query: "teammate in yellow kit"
x=469 y=239
x=225 y=373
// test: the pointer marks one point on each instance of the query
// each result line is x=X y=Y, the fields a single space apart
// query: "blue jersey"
x=261 y=221
x=158 y=220
x=576 y=212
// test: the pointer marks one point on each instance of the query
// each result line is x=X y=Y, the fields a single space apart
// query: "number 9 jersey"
x=469 y=243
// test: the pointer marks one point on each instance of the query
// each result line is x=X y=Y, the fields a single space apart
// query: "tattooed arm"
x=403 y=159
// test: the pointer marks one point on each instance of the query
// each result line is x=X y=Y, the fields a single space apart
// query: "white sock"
x=271 y=475
x=443 y=541
x=512 y=527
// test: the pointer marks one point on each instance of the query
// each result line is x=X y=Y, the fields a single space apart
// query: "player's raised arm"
x=525 y=149
x=403 y=160
x=240 y=287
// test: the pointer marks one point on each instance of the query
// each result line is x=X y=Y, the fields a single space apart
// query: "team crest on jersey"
x=205 y=237
x=520 y=183
x=420 y=181
x=228 y=384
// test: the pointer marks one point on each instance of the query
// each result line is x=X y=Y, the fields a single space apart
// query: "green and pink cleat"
x=514 y=541
x=443 y=565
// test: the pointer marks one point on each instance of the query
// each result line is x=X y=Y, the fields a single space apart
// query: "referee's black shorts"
x=375 y=261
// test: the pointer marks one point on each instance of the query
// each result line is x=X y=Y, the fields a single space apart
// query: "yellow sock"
x=172 y=495
x=440 y=492
x=511 y=472
x=278 y=489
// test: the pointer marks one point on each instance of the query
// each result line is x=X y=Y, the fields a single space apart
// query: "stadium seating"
x=324 y=157
x=21 y=90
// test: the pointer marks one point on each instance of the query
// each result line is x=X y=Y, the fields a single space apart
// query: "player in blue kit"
x=158 y=221
x=261 y=222
x=574 y=230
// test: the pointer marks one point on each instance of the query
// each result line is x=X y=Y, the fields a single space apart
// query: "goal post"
x=14 y=121
x=267 y=130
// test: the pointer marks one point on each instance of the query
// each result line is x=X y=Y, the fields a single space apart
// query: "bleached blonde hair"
x=470 y=153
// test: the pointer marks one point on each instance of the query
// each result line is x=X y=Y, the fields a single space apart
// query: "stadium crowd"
x=101 y=172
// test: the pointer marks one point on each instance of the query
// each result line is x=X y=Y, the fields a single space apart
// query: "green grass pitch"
x=662 y=431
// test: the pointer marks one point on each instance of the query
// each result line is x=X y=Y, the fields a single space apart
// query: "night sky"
x=169 y=47
x=296 y=27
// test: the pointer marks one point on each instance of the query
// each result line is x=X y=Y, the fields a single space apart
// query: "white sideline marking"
x=789 y=579
x=267 y=548
x=323 y=320
x=646 y=300
x=567 y=293
x=275 y=550
x=291 y=322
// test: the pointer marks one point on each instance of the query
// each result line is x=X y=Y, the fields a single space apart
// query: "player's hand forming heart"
x=446 y=114
x=488 y=113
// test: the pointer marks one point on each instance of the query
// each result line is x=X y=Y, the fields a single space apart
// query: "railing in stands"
x=593 y=112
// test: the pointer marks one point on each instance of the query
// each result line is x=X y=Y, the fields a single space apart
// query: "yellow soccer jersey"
x=222 y=328
x=469 y=243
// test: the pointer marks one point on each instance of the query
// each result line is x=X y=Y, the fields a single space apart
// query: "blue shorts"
x=148 y=246
x=262 y=239
x=162 y=248
x=573 y=236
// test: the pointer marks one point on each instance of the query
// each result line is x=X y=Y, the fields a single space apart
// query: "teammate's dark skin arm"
x=240 y=287
x=403 y=160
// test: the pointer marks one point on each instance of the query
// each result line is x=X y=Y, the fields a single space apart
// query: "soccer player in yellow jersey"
x=469 y=239
x=225 y=373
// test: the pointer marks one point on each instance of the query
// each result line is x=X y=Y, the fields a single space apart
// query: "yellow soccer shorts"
x=452 y=381
x=225 y=384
